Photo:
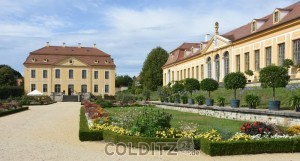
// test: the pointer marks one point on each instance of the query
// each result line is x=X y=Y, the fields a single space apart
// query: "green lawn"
x=204 y=123
x=282 y=94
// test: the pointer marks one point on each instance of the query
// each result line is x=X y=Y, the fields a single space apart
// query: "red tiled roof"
x=245 y=31
x=55 y=54
x=240 y=33
x=178 y=53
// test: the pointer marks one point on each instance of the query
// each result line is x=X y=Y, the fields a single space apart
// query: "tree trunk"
x=235 y=94
x=208 y=94
x=273 y=93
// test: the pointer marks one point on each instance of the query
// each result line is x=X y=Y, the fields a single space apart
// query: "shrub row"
x=85 y=134
x=250 y=147
x=13 y=111
x=11 y=91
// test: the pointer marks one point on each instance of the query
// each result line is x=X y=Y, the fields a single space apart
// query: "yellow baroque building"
x=261 y=42
x=69 y=70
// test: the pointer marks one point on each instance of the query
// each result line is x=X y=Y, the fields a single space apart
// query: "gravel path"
x=51 y=133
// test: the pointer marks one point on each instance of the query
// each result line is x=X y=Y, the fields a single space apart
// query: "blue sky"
x=127 y=30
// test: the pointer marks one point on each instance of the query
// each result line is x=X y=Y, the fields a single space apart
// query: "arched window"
x=226 y=63
x=208 y=61
x=217 y=67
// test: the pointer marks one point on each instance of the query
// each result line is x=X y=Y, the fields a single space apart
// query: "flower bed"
x=254 y=138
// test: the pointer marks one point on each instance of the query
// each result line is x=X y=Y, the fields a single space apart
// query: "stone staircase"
x=67 y=98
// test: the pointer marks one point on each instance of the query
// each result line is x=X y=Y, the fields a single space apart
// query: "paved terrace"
x=51 y=133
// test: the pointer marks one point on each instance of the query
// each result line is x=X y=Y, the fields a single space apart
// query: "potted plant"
x=177 y=87
x=166 y=92
x=252 y=100
x=294 y=101
x=184 y=99
x=287 y=63
x=274 y=77
x=221 y=101
x=209 y=85
x=200 y=99
x=235 y=81
x=191 y=84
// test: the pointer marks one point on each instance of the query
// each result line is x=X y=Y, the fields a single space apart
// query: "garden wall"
x=283 y=118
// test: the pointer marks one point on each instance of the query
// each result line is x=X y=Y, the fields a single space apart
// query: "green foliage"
x=235 y=81
x=85 y=134
x=177 y=87
x=249 y=72
x=146 y=94
x=221 y=101
x=138 y=91
x=124 y=97
x=191 y=84
x=184 y=99
x=123 y=81
x=252 y=100
x=152 y=73
x=209 y=85
x=151 y=121
x=11 y=91
x=104 y=103
x=35 y=100
x=200 y=99
x=148 y=142
x=249 y=147
x=7 y=77
x=294 y=102
x=274 y=77
x=4 y=113
x=287 y=63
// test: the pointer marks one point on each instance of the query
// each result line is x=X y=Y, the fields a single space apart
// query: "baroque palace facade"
x=261 y=42
x=69 y=70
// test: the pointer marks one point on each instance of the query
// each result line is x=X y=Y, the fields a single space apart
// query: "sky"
x=126 y=29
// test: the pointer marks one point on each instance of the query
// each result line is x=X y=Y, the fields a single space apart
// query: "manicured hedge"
x=250 y=147
x=135 y=141
x=11 y=91
x=85 y=134
x=13 y=111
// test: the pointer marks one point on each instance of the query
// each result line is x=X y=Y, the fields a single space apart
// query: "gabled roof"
x=55 y=54
x=245 y=31
x=178 y=53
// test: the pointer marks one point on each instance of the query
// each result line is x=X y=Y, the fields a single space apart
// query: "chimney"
x=64 y=44
x=79 y=45
x=47 y=44
x=94 y=45
x=207 y=36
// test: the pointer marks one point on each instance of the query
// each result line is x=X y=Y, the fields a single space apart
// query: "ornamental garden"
x=132 y=123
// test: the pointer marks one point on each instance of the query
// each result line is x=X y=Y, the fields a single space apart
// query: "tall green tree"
x=16 y=73
x=152 y=73
x=7 y=77
x=123 y=80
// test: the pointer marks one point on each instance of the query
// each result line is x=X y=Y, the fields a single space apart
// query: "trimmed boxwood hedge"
x=85 y=134
x=13 y=111
x=250 y=147
x=135 y=141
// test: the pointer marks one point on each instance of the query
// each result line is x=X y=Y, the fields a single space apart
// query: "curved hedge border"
x=85 y=134
x=250 y=147
x=13 y=111
x=143 y=142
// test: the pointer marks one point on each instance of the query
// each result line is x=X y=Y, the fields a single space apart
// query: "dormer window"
x=46 y=60
x=106 y=62
x=201 y=47
x=96 y=61
x=71 y=61
x=33 y=59
x=254 y=26
x=276 y=16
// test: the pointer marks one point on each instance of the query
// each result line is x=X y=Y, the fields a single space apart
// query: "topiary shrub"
x=209 y=85
x=274 y=77
x=235 y=81
x=191 y=84
x=249 y=72
x=287 y=63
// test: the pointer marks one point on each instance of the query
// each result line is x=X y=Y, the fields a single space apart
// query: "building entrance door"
x=70 y=89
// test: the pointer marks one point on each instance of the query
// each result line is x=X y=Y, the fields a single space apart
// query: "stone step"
x=70 y=98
